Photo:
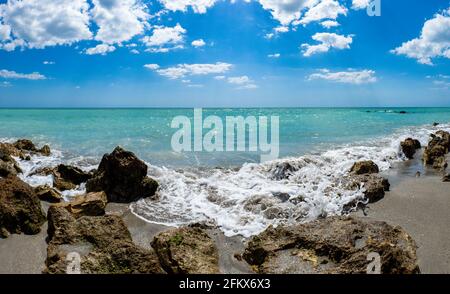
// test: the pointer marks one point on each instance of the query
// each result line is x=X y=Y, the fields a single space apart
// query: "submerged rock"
x=48 y=194
x=20 y=209
x=332 y=245
x=123 y=177
x=409 y=147
x=91 y=204
x=187 y=250
x=103 y=244
x=364 y=167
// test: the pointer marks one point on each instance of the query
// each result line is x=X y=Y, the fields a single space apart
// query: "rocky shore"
x=98 y=231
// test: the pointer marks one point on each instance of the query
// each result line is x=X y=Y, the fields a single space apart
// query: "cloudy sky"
x=231 y=53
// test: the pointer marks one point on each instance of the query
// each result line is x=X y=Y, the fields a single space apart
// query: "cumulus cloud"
x=325 y=9
x=8 y=74
x=152 y=66
x=434 y=41
x=119 y=20
x=183 y=70
x=101 y=49
x=285 y=11
x=42 y=23
x=327 y=41
x=360 y=4
x=346 y=77
x=198 y=43
x=243 y=82
x=329 y=24
x=165 y=39
x=198 y=6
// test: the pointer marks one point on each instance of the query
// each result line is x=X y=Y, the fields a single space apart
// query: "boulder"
x=23 y=146
x=364 y=167
x=341 y=245
x=20 y=209
x=446 y=178
x=66 y=177
x=409 y=147
x=6 y=169
x=10 y=150
x=438 y=147
x=45 y=150
x=91 y=204
x=123 y=177
x=187 y=250
x=374 y=185
x=103 y=244
x=48 y=194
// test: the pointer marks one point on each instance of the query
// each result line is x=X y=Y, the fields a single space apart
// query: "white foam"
x=242 y=202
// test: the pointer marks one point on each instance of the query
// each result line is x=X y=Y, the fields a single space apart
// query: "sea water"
x=232 y=190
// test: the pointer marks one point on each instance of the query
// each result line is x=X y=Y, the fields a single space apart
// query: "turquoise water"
x=147 y=132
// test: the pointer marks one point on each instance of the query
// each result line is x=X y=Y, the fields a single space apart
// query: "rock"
x=332 y=245
x=123 y=177
x=364 y=167
x=63 y=185
x=10 y=150
x=45 y=150
x=66 y=177
x=25 y=144
x=103 y=244
x=48 y=194
x=20 y=209
x=6 y=169
x=187 y=250
x=282 y=171
x=409 y=147
x=435 y=124
x=374 y=186
x=402 y=112
x=438 y=147
x=91 y=204
x=446 y=178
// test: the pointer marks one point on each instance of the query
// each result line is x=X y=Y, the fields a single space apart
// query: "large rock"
x=103 y=244
x=438 y=147
x=91 y=204
x=66 y=177
x=20 y=209
x=409 y=147
x=374 y=185
x=28 y=146
x=123 y=177
x=364 y=167
x=187 y=250
x=332 y=245
x=7 y=169
x=48 y=194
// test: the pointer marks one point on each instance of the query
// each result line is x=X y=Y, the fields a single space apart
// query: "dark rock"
x=103 y=243
x=187 y=250
x=45 y=150
x=282 y=196
x=6 y=169
x=364 y=167
x=91 y=204
x=402 y=112
x=409 y=147
x=48 y=194
x=332 y=245
x=72 y=174
x=438 y=147
x=123 y=177
x=446 y=178
x=282 y=171
x=25 y=144
x=435 y=124
x=374 y=185
x=10 y=150
x=20 y=209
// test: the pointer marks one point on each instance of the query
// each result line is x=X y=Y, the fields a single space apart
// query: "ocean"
x=230 y=189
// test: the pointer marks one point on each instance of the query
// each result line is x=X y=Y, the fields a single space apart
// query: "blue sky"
x=223 y=53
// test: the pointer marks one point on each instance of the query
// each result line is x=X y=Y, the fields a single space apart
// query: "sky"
x=224 y=53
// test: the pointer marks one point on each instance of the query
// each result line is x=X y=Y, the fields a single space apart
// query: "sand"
x=420 y=205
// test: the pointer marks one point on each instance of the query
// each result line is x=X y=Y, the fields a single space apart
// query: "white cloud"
x=275 y=55
x=135 y=51
x=183 y=70
x=195 y=86
x=325 y=9
x=198 y=6
x=152 y=66
x=327 y=41
x=198 y=43
x=347 y=77
x=119 y=20
x=219 y=78
x=101 y=49
x=244 y=82
x=360 y=4
x=42 y=23
x=46 y=62
x=285 y=11
x=8 y=74
x=269 y=36
x=281 y=29
x=433 y=42
x=329 y=24
x=165 y=39
x=5 y=84
x=5 y=32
